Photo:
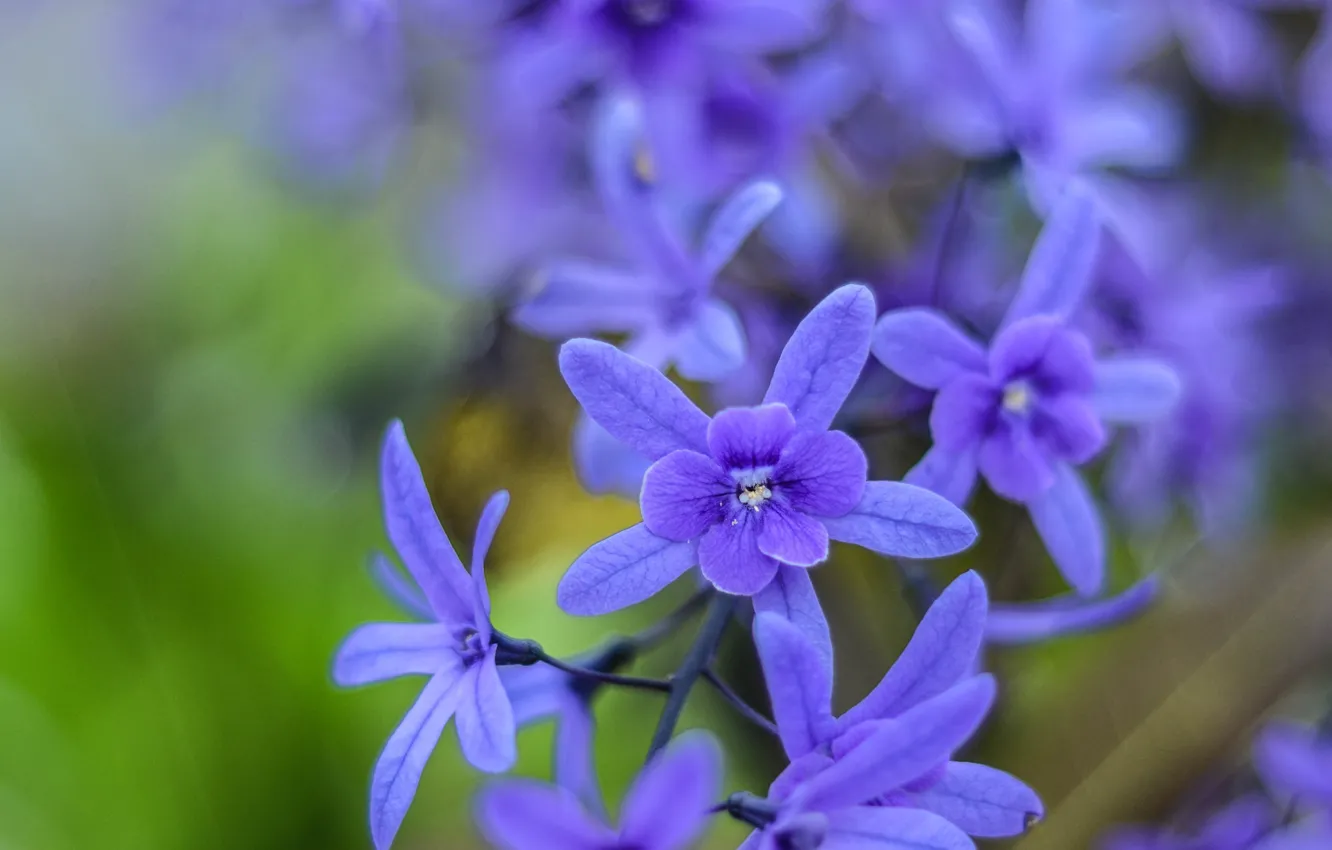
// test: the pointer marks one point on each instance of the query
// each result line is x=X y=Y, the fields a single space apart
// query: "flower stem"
x=746 y=710
x=638 y=682
x=700 y=655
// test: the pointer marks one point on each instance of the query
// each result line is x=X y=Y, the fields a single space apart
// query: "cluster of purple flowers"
x=622 y=154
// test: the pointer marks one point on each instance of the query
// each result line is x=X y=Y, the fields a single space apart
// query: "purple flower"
x=454 y=649
x=1034 y=406
x=1297 y=761
x=885 y=766
x=1238 y=826
x=1316 y=90
x=667 y=808
x=664 y=301
x=752 y=492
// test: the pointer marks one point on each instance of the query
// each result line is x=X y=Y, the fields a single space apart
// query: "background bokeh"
x=196 y=365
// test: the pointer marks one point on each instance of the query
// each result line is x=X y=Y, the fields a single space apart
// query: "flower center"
x=471 y=646
x=647 y=13
x=1018 y=398
x=753 y=489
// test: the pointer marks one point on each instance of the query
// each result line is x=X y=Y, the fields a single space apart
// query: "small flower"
x=892 y=751
x=454 y=649
x=664 y=300
x=1034 y=406
x=753 y=494
x=665 y=809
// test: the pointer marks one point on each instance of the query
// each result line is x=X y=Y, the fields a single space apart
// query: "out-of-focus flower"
x=751 y=492
x=1034 y=406
x=454 y=648
x=1028 y=622
x=1238 y=826
x=667 y=807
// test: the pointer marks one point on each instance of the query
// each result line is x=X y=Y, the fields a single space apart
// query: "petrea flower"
x=1238 y=826
x=752 y=493
x=664 y=301
x=893 y=749
x=1296 y=760
x=665 y=809
x=454 y=649
x=1036 y=405
x=1016 y=623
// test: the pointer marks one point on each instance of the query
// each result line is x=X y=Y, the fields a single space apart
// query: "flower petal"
x=535 y=692
x=739 y=216
x=892 y=828
x=1045 y=351
x=903 y=748
x=1062 y=262
x=964 y=412
x=1067 y=425
x=982 y=801
x=603 y=463
x=791 y=596
x=799 y=685
x=1295 y=760
x=401 y=590
x=380 y=651
x=622 y=570
x=1230 y=49
x=398 y=771
x=821 y=473
x=712 y=344
x=941 y=653
x=750 y=437
x=904 y=521
x=486 y=527
x=667 y=806
x=1135 y=390
x=766 y=26
x=1019 y=623
x=1014 y=465
x=1067 y=520
x=551 y=818
x=638 y=405
x=729 y=556
x=925 y=347
x=950 y=474
x=574 y=297
x=685 y=494
x=416 y=534
x=824 y=357
x=575 y=763
x=792 y=537
x=486 y=728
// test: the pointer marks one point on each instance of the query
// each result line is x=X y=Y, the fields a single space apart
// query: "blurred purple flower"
x=1315 y=90
x=1016 y=623
x=665 y=300
x=1238 y=826
x=751 y=490
x=1035 y=405
x=454 y=648
x=926 y=705
x=1296 y=760
x=666 y=808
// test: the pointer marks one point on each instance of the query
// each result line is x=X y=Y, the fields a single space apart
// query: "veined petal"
x=925 y=347
x=638 y=405
x=622 y=570
x=824 y=357
x=1062 y=261
x=416 y=534
x=1019 y=623
x=730 y=558
x=982 y=801
x=550 y=818
x=738 y=217
x=891 y=828
x=401 y=590
x=667 y=806
x=941 y=653
x=904 y=521
x=1067 y=520
x=1135 y=390
x=799 y=684
x=486 y=527
x=575 y=297
x=790 y=595
x=711 y=345
x=685 y=494
x=398 y=771
x=766 y=26
x=950 y=474
x=821 y=473
x=903 y=748
x=380 y=651
x=486 y=728
x=750 y=437
x=792 y=537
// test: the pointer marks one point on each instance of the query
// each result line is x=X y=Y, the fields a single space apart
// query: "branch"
x=746 y=710
x=638 y=682
x=700 y=656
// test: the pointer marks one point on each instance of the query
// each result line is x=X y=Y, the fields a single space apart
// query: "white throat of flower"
x=1018 y=398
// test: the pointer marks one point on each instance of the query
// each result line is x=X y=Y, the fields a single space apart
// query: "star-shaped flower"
x=752 y=494
x=1034 y=406
x=454 y=649
x=667 y=807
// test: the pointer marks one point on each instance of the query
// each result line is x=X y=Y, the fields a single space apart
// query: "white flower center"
x=1018 y=397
